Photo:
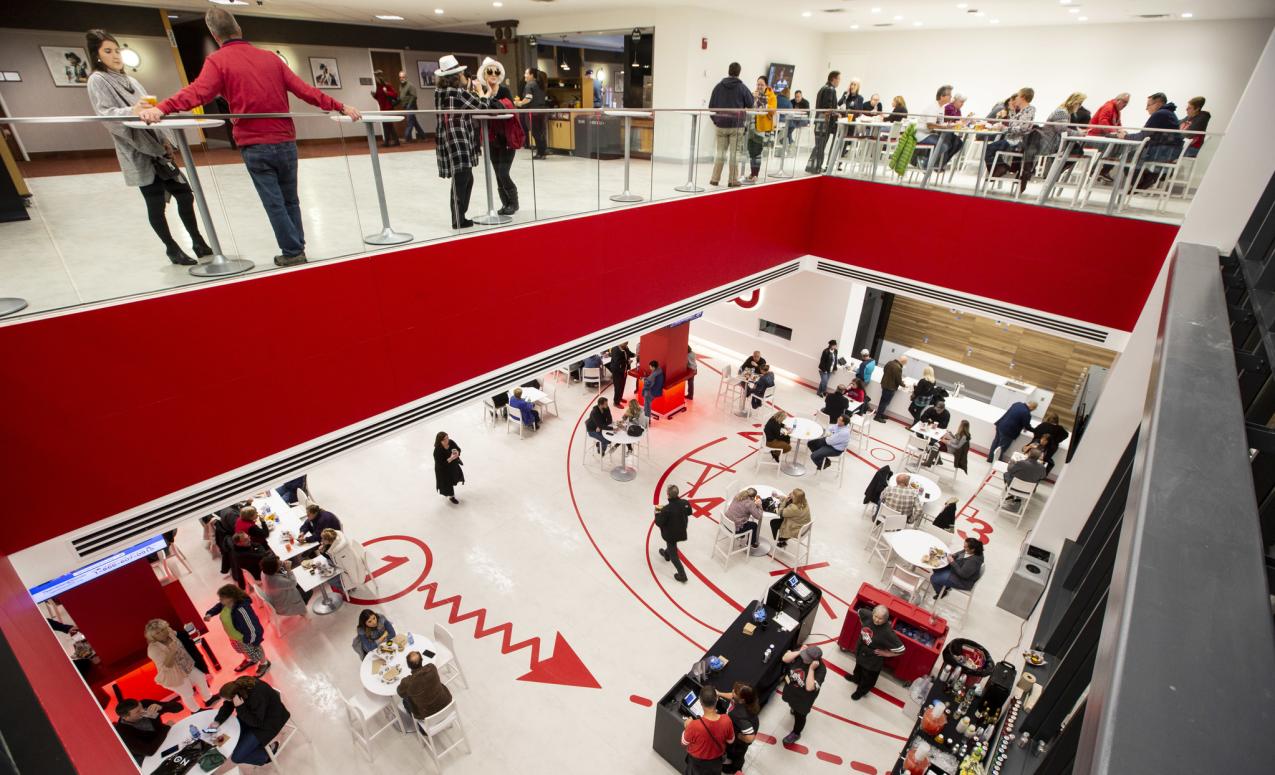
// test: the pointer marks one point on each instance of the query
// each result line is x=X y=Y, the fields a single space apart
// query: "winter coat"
x=880 y=480
x=794 y=519
x=351 y=558
x=730 y=92
x=672 y=518
x=456 y=143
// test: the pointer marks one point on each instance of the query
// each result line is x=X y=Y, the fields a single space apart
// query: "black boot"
x=176 y=255
x=200 y=247
x=510 y=201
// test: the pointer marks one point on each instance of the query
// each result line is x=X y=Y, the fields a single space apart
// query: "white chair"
x=210 y=539
x=1023 y=492
x=878 y=519
x=880 y=547
x=765 y=458
x=450 y=670
x=429 y=732
x=514 y=417
x=589 y=448
x=961 y=597
x=591 y=376
x=563 y=372
x=860 y=430
x=550 y=404
x=173 y=554
x=946 y=536
x=839 y=463
x=914 y=451
x=363 y=714
x=728 y=544
x=728 y=389
x=490 y=412
x=797 y=550
x=905 y=580
x=289 y=731
x=276 y=620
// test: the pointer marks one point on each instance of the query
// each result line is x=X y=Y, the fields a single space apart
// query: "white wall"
x=35 y=94
x=1241 y=168
x=816 y=307
x=1212 y=59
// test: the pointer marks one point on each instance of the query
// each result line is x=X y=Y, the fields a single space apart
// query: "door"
x=390 y=63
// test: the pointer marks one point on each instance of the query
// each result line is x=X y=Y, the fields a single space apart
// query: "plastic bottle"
x=945 y=673
x=769 y=650
x=963 y=725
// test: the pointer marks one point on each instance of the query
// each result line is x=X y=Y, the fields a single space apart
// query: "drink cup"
x=150 y=99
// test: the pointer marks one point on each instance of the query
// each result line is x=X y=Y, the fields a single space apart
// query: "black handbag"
x=165 y=169
x=635 y=430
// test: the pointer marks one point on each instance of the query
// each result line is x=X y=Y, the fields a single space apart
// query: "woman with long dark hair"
x=744 y=711
x=261 y=715
x=447 y=466
x=372 y=630
x=963 y=569
x=145 y=155
x=534 y=98
x=457 y=149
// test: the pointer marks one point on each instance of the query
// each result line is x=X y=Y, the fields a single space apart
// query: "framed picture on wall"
x=68 y=65
x=325 y=73
x=425 y=68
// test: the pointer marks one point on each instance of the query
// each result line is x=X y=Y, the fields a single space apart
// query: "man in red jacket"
x=1109 y=115
x=256 y=81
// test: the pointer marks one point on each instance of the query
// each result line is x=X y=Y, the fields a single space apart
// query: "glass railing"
x=88 y=238
x=1134 y=172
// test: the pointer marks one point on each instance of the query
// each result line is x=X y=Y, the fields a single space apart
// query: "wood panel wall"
x=1039 y=359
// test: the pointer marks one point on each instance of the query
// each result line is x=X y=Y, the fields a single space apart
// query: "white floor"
x=554 y=546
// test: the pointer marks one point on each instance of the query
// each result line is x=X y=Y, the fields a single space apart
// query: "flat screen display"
x=96 y=569
x=779 y=76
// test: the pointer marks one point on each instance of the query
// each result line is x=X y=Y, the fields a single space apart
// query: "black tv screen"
x=780 y=76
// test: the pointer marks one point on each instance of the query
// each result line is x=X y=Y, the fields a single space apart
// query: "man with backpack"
x=730 y=93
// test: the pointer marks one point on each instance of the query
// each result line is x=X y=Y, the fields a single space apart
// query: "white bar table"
x=492 y=218
x=218 y=265
x=387 y=235
x=628 y=116
x=623 y=472
x=308 y=580
x=1101 y=141
x=12 y=304
x=800 y=430
x=691 y=186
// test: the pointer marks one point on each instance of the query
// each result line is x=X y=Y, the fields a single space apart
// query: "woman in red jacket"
x=385 y=96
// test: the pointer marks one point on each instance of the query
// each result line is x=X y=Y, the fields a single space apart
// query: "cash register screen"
x=798 y=587
x=691 y=703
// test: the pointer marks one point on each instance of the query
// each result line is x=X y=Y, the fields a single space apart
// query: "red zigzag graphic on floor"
x=564 y=668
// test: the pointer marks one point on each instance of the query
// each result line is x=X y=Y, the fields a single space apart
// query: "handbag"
x=635 y=430
x=165 y=169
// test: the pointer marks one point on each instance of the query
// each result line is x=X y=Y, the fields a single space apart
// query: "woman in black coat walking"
x=261 y=716
x=671 y=519
x=447 y=466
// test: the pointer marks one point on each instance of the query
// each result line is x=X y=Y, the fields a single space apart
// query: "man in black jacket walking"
x=825 y=123
x=671 y=519
x=827 y=365
x=730 y=93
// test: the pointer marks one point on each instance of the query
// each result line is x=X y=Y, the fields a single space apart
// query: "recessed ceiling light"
x=1188 y=15
x=854 y=26
x=1083 y=19
x=130 y=57
x=229 y=2
x=962 y=6
x=807 y=14
x=497 y=4
x=389 y=17
x=173 y=16
x=438 y=11
x=917 y=24
x=1073 y=10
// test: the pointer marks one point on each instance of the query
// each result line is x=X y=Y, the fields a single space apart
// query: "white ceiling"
x=845 y=15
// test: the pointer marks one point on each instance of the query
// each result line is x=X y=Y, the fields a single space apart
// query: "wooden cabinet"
x=561 y=134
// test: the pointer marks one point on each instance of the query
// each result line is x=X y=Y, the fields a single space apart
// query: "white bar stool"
x=387 y=235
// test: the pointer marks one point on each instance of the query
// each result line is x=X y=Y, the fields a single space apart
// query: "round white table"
x=930 y=491
x=746 y=382
x=372 y=680
x=912 y=546
x=492 y=217
x=623 y=472
x=628 y=116
x=800 y=430
x=179 y=734
x=217 y=265
x=387 y=235
x=776 y=494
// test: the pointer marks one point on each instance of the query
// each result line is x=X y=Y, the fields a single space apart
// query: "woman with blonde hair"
x=779 y=442
x=794 y=514
x=174 y=667
x=922 y=392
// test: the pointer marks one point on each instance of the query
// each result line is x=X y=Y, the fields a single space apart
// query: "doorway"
x=390 y=62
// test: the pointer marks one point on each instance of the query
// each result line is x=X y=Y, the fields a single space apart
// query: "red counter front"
x=918 y=656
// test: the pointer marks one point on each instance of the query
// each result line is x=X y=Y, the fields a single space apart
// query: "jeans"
x=941 y=579
x=824 y=376
x=886 y=395
x=413 y=130
x=756 y=144
x=1003 y=144
x=820 y=451
x=751 y=529
x=815 y=164
x=728 y=143
x=154 y=194
x=690 y=387
x=670 y=548
x=462 y=187
x=248 y=750
x=1001 y=442
x=647 y=398
x=390 y=133
x=1192 y=152
x=597 y=435
x=273 y=168
x=946 y=146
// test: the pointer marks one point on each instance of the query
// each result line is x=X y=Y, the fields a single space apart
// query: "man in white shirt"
x=833 y=444
x=944 y=144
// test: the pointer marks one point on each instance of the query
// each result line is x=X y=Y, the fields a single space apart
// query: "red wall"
x=1084 y=266
x=85 y=733
x=109 y=408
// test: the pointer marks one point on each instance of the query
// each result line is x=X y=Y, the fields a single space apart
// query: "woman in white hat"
x=457 y=153
x=503 y=147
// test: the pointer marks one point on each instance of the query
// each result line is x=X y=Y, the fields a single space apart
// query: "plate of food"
x=391 y=674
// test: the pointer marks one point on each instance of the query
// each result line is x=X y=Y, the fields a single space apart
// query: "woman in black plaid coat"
x=457 y=150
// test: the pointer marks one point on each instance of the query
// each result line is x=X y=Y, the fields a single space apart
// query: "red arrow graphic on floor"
x=563 y=668
x=392 y=561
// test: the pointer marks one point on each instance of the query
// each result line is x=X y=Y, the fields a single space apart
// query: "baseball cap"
x=811 y=653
